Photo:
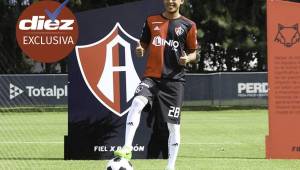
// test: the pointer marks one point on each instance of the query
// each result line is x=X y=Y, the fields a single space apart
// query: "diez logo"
x=47 y=31
x=288 y=35
x=108 y=69
x=39 y=23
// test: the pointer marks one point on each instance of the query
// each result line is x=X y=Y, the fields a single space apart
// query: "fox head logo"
x=288 y=36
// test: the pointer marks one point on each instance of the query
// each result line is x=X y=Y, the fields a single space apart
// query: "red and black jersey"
x=166 y=40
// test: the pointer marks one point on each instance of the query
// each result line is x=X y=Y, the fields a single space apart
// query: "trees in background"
x=232 y=34
x=11 y=58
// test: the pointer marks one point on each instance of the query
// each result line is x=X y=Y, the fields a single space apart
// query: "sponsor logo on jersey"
x=156 y=28
x=108 y=70
x=158 y=41
x=179 y=30
x=288 y=35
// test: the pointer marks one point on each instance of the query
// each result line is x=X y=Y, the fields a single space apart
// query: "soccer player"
x=170 y=40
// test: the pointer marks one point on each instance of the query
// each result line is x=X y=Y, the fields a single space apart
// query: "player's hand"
x=184 y=59
x=139 y=50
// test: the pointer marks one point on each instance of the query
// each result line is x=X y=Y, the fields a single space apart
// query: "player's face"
x=172 y=6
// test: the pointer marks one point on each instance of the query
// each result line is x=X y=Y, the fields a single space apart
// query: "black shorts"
x=168 y=95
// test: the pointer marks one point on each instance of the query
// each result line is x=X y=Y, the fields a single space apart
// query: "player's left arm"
x=190 y=54
x=192 y=43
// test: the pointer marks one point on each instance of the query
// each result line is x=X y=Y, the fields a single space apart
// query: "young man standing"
x=171 y=42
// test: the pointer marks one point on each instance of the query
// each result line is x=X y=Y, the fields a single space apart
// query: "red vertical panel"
x=283 y=23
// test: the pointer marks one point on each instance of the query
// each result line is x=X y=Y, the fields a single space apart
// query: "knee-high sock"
x=133 y=118
x=173 y=144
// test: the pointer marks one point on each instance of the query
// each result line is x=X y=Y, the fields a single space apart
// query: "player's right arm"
x=140 y=49
x=145 y=38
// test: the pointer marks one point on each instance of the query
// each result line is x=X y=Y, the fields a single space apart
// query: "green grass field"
x=231 y=140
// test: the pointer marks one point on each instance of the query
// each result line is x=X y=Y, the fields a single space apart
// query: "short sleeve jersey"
x=166 y=40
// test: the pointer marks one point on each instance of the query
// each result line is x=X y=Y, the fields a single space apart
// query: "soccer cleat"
x=124 y=152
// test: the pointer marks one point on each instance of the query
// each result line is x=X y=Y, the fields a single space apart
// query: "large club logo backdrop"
x=102 y=64
x=103 y=75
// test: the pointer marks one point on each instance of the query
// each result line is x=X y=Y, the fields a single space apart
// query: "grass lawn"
x=228 y=139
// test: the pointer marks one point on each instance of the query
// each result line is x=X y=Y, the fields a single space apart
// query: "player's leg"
x=142 y=97
x=173 y=144
x=171 y=99
x=133 y=118
x=132 y=123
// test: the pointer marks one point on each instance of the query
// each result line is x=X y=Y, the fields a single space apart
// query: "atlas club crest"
x=108 y=70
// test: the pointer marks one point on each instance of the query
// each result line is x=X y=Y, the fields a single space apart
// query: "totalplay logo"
x=14 y=91
x=42 y=91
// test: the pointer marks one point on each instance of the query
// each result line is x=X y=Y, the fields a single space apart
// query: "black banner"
x=19 y=90
x=223 y=89
x=226 y=89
